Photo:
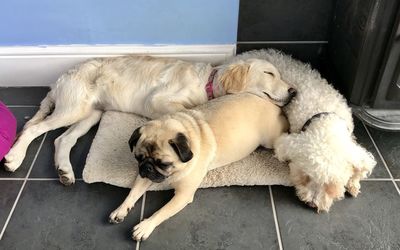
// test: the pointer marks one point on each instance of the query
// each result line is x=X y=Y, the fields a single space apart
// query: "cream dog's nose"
x=292 y=92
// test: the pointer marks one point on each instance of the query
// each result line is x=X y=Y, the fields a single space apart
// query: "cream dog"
x=180 y=148
x=143 y=85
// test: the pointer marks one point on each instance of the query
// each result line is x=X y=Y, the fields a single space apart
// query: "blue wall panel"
x=64 y=22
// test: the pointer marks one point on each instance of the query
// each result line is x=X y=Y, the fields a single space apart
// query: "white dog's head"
x=325 y=161
x=258 y=77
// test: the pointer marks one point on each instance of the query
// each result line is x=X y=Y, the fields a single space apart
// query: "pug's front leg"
x=138 y=189
x=181 y=198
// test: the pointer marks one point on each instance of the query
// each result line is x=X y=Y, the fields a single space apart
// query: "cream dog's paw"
x=142 y=230
x=119 y=214
x=13 y=162
x=67 y=177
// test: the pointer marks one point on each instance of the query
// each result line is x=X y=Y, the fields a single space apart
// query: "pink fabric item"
x=8 y=129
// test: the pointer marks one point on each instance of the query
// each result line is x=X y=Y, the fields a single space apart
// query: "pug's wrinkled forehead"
x=148 y=148
x=161 y=140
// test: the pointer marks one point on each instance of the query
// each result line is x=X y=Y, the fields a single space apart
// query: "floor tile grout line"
x=11 y=179
x=23 y=106
x=34 y=179
x=81 y=179
x=278 y=233
x=49 y=179
x=43 y=179
x=141 y=216
x=22 y=188
x=143 y=206
x=377 y=179
x=281 y=42
x=377 y=150
x=382 y=159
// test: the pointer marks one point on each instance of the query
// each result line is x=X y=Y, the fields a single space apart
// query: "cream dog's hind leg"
x=65 y=142
x=17 y=154
x=46 y=106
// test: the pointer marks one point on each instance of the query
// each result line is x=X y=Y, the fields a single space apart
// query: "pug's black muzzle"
x=148 y=170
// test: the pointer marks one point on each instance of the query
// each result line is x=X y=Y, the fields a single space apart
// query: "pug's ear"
x=134 y=138
x=181 y=147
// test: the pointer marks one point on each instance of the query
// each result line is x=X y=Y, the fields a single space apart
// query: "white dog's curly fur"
x=324 y=159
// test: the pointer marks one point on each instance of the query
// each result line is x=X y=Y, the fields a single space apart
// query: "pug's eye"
x=139 y=157
x=163 y=165
x=166 y=164
x=269 y=73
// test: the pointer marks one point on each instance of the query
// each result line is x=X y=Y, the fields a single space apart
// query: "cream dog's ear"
x=234 y=79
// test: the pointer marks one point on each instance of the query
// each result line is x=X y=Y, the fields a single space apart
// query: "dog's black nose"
x=292 y=92
x=148 y=167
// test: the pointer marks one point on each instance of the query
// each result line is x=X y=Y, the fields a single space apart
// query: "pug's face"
x=161 y=149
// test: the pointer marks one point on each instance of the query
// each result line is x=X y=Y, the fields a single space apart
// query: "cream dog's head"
x=258 y=77
x=161 y=149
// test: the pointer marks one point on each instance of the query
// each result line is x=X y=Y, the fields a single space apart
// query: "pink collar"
x=209 y=85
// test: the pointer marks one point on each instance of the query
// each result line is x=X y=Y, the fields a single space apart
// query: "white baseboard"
x=41 y=66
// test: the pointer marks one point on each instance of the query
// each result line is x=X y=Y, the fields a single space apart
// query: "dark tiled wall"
x=297 y=27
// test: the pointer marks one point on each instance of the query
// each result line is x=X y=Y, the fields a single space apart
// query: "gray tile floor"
x=37 y=212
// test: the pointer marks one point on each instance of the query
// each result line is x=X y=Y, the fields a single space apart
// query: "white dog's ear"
x=234 y=78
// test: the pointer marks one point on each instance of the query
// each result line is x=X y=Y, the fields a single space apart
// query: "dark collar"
x=316 y=116
x=209 y=85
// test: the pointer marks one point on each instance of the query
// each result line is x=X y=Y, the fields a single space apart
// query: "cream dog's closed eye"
x=142 y=85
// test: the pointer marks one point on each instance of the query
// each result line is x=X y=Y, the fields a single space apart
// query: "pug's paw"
x=119 y=214
x=142 y=230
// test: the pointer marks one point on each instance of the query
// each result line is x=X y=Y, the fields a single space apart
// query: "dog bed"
x=111 y=161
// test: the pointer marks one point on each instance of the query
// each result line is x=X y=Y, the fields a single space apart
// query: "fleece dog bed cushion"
x=111 y=161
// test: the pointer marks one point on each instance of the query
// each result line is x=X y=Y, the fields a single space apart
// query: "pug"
x=181 y=148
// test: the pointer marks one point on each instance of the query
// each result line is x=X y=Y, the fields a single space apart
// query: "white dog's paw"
x=353 y=191
x=13 y=161
x=353 y=187
x=67 y=177
x=142 y=230
x=119 y=214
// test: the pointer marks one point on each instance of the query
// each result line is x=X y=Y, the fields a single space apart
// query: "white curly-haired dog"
x=324 y=158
